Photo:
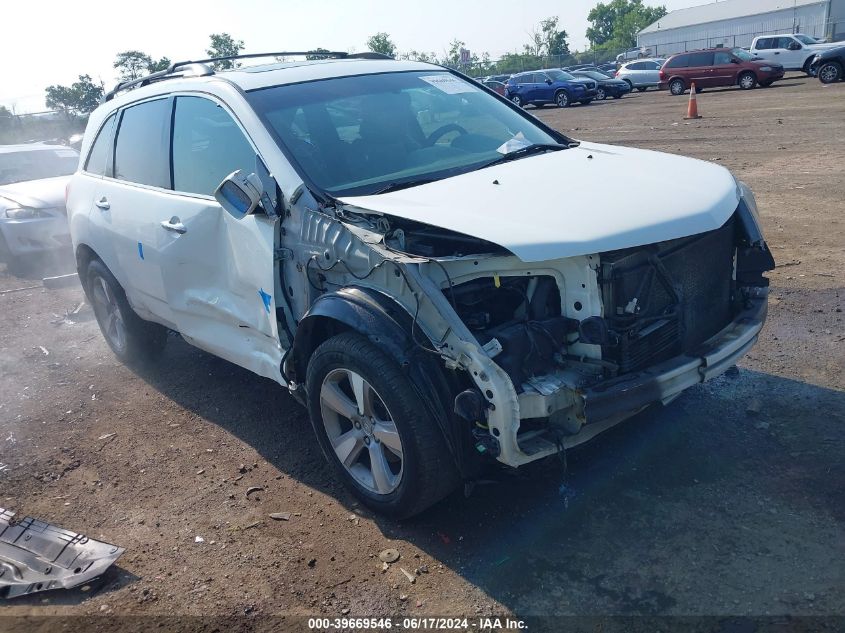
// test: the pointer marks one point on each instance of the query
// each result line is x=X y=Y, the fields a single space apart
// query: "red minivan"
x=717 y=67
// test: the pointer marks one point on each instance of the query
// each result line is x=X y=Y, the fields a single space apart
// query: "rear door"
x=217 y=270
x=651 y=73
x=700 y=69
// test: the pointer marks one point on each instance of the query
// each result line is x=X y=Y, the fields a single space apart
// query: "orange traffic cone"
x=692 y=108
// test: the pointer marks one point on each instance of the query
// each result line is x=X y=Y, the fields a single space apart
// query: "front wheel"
x=374 y=428
x=601 y=95
x=130 y=337
x=830 y=72
x=747 y=81
x=562 y=99
x=517 y=101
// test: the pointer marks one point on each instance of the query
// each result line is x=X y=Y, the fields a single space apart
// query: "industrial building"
x=737 y=22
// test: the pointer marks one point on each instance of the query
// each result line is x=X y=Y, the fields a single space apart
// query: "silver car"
x=641 y=74
x=33 y=219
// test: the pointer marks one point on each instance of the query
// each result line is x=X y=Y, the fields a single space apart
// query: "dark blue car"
x=549 y=86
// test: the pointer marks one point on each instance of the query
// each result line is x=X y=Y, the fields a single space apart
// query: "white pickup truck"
x=793 y=51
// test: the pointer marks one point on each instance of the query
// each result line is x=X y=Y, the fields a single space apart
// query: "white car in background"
x=792 y=51
x=366 y=233
x=33 y=221
x=641 y=74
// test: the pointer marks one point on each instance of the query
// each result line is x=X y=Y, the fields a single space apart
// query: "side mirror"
x=239 y=194
x=735 y=60
x=794 y=46
x=549 y=81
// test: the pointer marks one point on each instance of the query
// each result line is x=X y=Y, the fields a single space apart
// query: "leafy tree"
x=318 y=53
x=132 y=64
x=420 y=56
x=162 y=64
x=452 y=57
x=381 y=43
x=80 y=98
x=224 y=45
x=616 y=24
x=554 y=40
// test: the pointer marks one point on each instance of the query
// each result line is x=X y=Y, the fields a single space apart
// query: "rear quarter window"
x=700 y=59
x=99 y=156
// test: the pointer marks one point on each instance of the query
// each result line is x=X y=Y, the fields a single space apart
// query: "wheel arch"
x=84 y=256
x=387 y=324
x=746 y=72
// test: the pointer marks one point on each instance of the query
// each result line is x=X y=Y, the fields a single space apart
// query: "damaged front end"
x=540 y=356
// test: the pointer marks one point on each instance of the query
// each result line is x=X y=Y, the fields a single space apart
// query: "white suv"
x=371 y=235
x=792 y=51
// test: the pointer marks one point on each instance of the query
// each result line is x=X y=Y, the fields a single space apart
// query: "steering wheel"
x=445 y=129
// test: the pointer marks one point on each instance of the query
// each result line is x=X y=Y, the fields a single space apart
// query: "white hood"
x=572 y=202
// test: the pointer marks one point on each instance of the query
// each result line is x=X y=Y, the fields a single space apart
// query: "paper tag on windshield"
x=449 y=83
x=514 y=143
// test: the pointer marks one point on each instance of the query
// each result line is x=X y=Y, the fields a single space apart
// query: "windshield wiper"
x=534 y=148
x=404 y=184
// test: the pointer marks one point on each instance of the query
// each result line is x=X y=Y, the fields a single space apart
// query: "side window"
x=697 y=60
x=636 y=66
x=98 y=157
x=207 y=146
x=782 y=42
x=540 y=78
x=721 y=58
x=678 y=62
x=140 y=154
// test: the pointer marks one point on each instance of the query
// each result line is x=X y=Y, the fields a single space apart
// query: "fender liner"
x=388 y=325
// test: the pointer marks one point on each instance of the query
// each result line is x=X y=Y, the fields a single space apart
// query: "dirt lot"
x=730 y=501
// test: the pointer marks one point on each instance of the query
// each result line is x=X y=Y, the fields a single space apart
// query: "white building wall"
x=738 y=32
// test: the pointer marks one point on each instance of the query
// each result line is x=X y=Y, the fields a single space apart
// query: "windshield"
x=559 y=75
x=743 y=54
x=805 y=39
x=36 y=164
x=593 y=74
x=358 y=135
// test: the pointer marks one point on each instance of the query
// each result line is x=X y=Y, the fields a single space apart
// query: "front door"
x=218 y=271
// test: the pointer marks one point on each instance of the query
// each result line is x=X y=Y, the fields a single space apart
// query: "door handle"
x=174 y=224
x=102 y=203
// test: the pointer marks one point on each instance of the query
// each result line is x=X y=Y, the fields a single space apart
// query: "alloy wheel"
x=108 y=313
x=361 y=430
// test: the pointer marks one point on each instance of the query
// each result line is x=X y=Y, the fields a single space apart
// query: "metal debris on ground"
x=60 y=281
x=252 y=489
x=389 y=555
x=37 y=556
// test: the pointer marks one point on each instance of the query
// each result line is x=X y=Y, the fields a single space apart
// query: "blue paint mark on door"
x=266 y=299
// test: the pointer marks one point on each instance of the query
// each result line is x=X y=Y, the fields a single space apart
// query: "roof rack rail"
x=200 y=67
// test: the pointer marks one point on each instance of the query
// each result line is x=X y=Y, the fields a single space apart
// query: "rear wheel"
x=374 y=428
x=830 y=72
x=642 y=88
x=517 y=101
x=630 y=85
x=562 y=99
x=601 y=95
x=747 y=80
x=677 y=87
x=130 y=337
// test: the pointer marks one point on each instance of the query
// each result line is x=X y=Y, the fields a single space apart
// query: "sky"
x=53 y=41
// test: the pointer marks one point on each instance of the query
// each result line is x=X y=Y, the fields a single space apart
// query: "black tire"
x=562 y=99
x=747 y=80
x=141 y=340
x=642 y=88
x=517 y=101
x=428 y=473
x=830 y=72
x=806 y=67
x=601 y=95
x=630 y=85
x=677 y=87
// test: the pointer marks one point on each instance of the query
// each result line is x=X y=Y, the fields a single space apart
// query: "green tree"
x=616 y=24
x=381 y=43
x=224 y=45
x=162 y=64
x=132 y=64
x=554 y=39
x=318 y=53
x=420 y=56
x=80 y=98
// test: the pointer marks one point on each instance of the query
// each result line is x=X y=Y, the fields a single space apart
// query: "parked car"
x=606 y=86
x=792 y=51
x=543 y=87
x=828 y=65
x=502 y=78
x=634 y=53
x=642 y=74
x=608 y=69
x=717 y=67
x=496 y=86
x=32 y=200
x=317 y=224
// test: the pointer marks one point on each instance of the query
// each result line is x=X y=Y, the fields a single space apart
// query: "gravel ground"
x=730 y=501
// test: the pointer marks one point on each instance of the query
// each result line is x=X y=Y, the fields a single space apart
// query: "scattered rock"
x=389 y=555
x=253 y=489
x=280 y=516
x=312 y=562
x=199 y=539
x=411 y=578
